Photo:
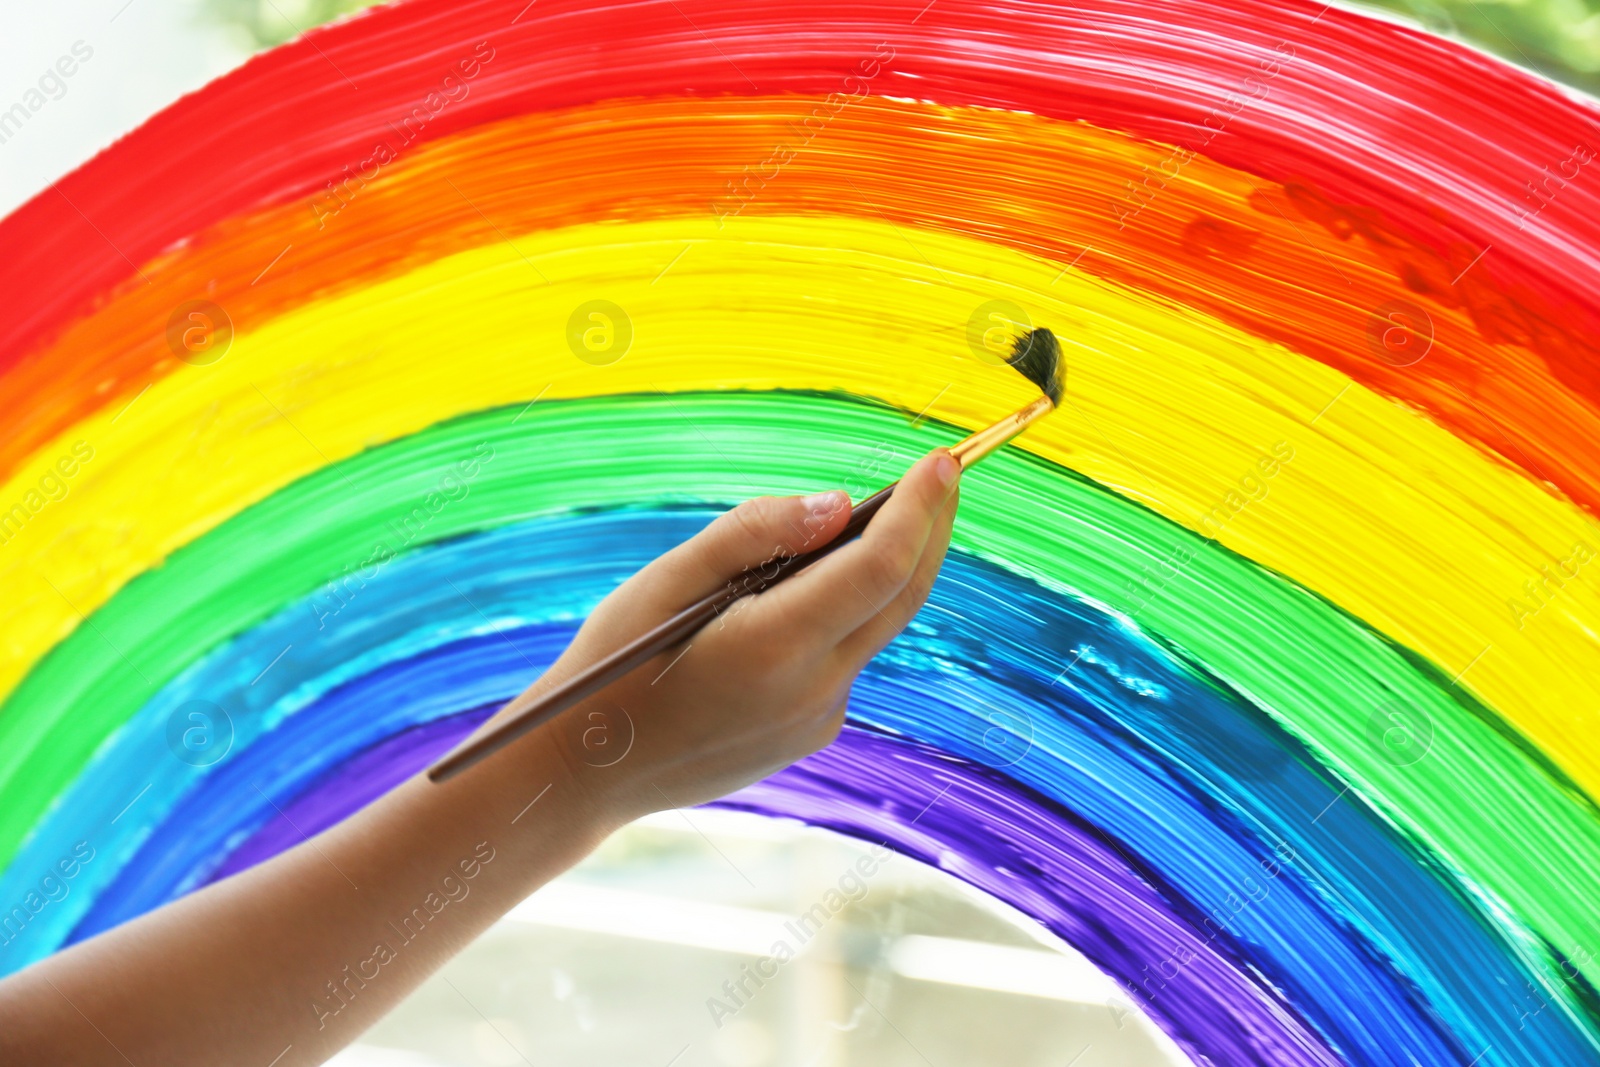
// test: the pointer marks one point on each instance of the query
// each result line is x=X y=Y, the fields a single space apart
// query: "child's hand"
x=259 y=956
x=767 y=682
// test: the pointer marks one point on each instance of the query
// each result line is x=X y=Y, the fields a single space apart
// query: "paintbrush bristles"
x=1037 y=355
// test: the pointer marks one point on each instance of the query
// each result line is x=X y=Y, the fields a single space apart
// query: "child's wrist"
x=534 y=801
x=593 y=744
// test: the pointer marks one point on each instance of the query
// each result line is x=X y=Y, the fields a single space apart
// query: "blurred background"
x=615 y=964
x=620 y=961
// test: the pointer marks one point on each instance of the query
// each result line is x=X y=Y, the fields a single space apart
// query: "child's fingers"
x=831 y=599
x=752 y=535
x=859 y=648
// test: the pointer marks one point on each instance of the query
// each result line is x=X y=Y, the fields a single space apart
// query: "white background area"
x=147 y=54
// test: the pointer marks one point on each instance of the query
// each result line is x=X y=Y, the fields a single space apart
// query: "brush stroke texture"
x=1222 y=675
x=1380 y=510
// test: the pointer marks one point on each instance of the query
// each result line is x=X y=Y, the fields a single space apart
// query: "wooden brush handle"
x=527 y=712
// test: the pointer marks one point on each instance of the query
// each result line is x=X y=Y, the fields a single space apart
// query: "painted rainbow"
x=1265 y=672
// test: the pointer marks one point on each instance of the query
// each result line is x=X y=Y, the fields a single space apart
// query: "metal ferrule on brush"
x=971 y=449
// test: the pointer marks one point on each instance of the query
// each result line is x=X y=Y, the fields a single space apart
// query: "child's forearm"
x=289 y=961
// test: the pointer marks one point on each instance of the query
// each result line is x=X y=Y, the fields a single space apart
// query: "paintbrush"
x=1035 y=354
